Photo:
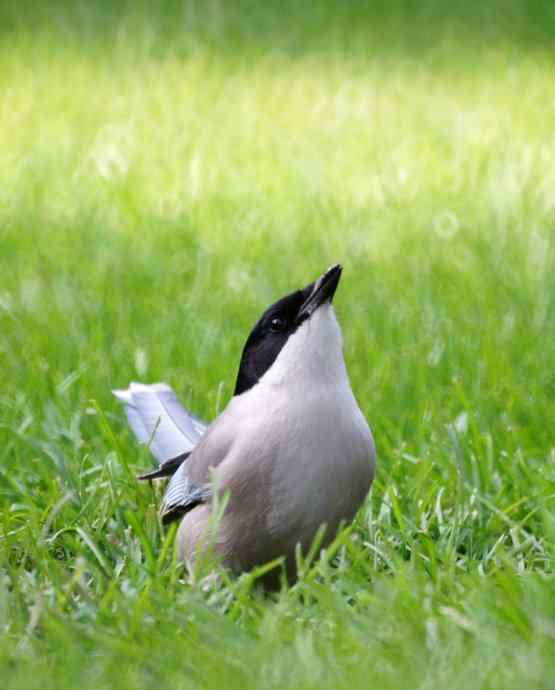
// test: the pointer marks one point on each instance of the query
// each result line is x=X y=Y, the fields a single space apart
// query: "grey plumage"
x=158 y=419
x=291 y=450
x=182 y=494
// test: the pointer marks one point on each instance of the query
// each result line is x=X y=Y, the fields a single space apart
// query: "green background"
x=169 y=169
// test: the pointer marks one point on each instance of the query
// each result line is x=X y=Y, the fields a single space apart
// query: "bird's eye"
x=277 y=324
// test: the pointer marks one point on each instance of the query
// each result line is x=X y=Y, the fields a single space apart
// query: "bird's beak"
x=323 y=290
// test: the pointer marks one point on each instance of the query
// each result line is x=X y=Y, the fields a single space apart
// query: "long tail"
x=159 y=420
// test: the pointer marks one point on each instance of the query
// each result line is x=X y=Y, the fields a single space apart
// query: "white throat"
x=312 y=355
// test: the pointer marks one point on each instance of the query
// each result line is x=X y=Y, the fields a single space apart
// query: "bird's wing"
x=158 y=419
x=182 y=494
x=191 y=484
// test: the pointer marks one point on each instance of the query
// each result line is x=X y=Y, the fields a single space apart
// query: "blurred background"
x=168 y=169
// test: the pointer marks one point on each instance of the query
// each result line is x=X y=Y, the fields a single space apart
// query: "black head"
x=278 y=323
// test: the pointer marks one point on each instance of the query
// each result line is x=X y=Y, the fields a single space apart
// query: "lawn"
x=166 y=173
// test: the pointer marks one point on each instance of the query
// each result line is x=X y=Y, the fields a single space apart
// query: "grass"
x=164 y=174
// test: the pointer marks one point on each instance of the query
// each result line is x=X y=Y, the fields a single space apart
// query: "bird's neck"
x=313 y=356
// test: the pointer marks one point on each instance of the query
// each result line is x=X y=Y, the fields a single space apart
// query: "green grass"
x=164 y=175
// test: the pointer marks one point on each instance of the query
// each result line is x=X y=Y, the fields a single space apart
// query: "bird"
x=292 y=451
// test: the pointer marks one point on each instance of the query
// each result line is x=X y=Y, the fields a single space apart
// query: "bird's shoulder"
x=231 y=429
